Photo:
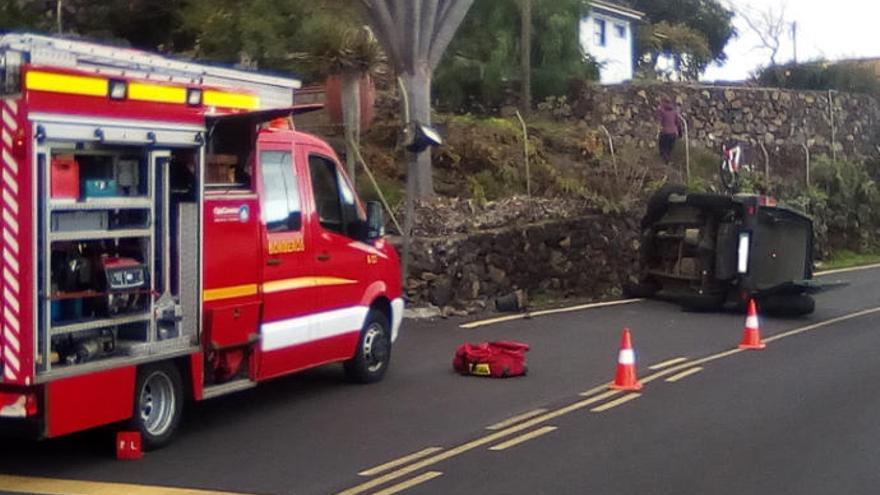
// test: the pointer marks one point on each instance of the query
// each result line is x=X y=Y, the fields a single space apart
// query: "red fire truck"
x=167 y=234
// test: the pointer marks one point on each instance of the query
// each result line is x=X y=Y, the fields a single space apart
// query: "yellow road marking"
x=50 y=486
x=684 y=374
x=454 y=452
x=409 y=483
x=845 y=270
x=664 y=364
x=535 y=314
x=616 y=402
x=595 y=390
x=516 y=419
x=814 y=326
x=397 y=462
x=523 y=438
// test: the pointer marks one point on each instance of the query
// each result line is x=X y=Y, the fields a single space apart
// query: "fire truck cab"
x=167 y=234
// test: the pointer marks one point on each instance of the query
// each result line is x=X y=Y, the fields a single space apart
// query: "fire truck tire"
x=158 y=404
x=373 y=354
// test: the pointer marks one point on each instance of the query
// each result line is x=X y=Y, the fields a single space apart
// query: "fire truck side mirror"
x=375 y=220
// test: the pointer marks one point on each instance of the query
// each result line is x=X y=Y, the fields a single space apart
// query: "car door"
x=288 y=291
x=341 y=266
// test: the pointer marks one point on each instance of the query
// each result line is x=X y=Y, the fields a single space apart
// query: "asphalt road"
x=797 y=417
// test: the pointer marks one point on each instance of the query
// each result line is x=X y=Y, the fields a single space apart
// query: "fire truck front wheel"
x=373 y=354
x=158 y=404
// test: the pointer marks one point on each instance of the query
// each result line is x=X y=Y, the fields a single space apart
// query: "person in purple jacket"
x=670 y=127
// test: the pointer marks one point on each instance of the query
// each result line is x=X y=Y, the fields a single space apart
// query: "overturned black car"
x=713 y=251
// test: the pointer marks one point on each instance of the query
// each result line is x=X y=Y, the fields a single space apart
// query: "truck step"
x=227 y=388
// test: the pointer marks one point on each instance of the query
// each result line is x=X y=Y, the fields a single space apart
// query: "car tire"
x=701 y=302
x=658 y=203
x=711 y=201
x=787 y=305
x=373 y=354
x=640 y=290
x=158 y=404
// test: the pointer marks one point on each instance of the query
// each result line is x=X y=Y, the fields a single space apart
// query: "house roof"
x=616 y=9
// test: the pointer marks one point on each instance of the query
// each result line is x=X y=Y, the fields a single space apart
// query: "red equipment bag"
x=494 y=359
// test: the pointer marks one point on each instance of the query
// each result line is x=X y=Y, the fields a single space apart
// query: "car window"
x=281 y=202
x=329 y=197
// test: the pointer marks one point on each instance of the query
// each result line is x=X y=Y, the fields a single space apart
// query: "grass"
x=845 y=258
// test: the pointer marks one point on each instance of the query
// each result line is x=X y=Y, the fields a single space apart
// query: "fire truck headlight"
x=743 y=257
x=118 y=89
x=193 y=97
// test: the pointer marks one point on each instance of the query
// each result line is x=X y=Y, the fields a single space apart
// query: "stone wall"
x=589 y=257
x=777 y=118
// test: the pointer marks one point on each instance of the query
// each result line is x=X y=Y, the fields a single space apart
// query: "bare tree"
x=769 y=24
x=414 y=34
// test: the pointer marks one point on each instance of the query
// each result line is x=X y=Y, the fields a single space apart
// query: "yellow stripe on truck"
x=229 y=292
x=64 y=83
x=244 y=101
x=156 y=93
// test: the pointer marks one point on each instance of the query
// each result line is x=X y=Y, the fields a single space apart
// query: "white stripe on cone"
x=752 y=321
x=626 y=356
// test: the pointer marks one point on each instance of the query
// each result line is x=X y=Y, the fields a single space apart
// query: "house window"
x=599 y=32
x=621 y=30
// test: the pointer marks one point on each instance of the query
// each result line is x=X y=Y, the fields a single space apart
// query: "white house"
x=608 y=34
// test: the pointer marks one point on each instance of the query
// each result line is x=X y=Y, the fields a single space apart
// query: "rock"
x=440 y=291
x=497 y=275
x=422 y=312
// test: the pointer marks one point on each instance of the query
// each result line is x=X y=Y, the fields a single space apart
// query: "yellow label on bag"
x=481 y=369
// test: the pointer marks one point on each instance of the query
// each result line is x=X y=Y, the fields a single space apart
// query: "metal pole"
x=766 y=160
x=611 y=149
x=526 y=154
x=687 y=149
x=807 y=156
x=409 y=208
x=833 y=129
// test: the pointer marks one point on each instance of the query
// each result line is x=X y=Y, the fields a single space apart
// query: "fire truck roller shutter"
x=57 y=127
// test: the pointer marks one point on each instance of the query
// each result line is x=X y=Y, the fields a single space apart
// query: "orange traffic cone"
x=751 y=333
x=625 y=378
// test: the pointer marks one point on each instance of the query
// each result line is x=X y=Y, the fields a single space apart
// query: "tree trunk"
x=351 y=118
x=526 y=54
x=419 y=178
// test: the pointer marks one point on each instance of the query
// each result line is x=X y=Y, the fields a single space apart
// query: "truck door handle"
x=273 y=261
x=324 y=256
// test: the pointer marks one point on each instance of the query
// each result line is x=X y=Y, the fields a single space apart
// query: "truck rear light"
x=193 y=97
x=742 y=264
x=118 y=89
x=18 y=405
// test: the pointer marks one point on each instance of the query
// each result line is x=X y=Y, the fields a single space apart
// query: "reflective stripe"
x=229 y=292
x=626 y=356
x=752 y=322
x=156 y=93
x=63 y=83
x=212 y=98
x=303 y=329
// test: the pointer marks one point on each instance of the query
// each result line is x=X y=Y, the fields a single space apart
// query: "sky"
x=829 y=30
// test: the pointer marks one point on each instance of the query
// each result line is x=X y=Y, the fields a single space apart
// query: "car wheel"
x=701 y=302
x=659 y=203
x=640 y=289
x=373 y=354
x=158 y=404
x=787 y=305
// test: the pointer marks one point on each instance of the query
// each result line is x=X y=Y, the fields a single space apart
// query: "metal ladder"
x=274 y=91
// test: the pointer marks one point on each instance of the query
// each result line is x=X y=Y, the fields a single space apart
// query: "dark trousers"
x=666 y=144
